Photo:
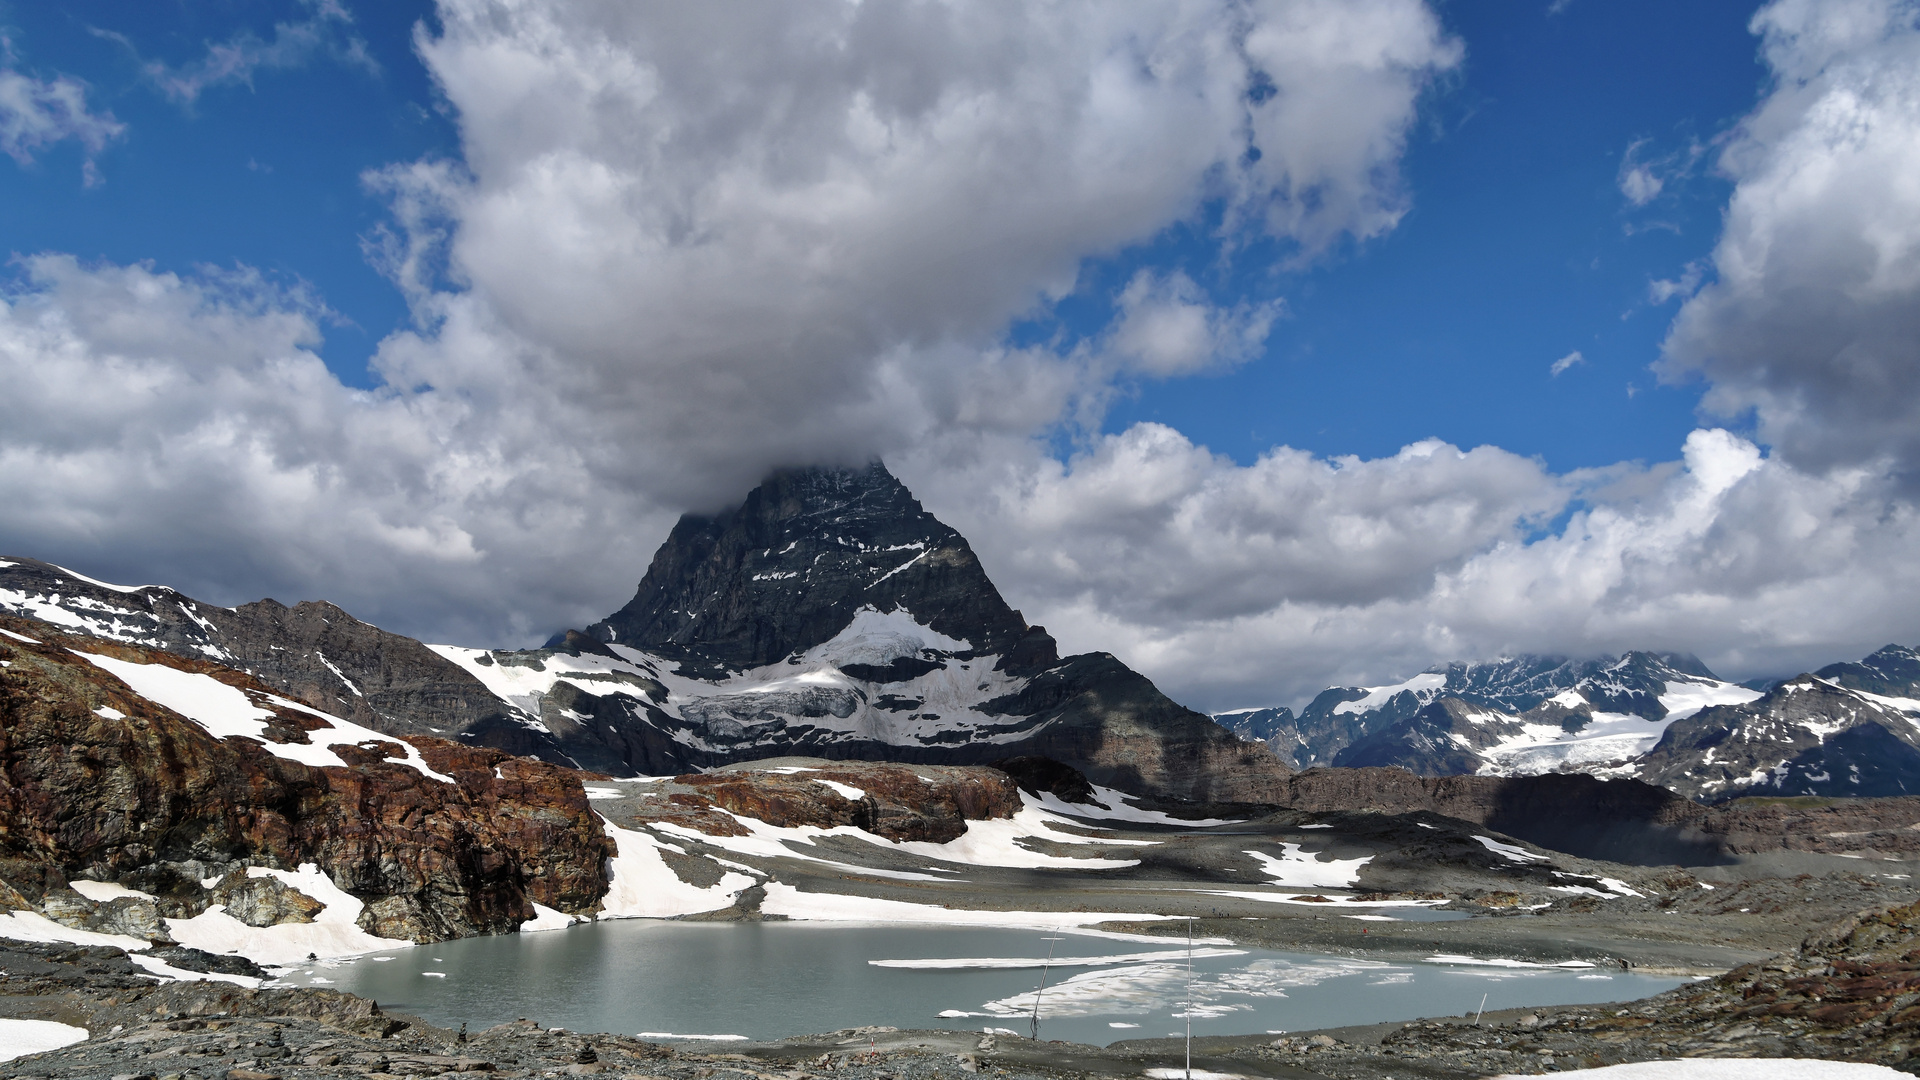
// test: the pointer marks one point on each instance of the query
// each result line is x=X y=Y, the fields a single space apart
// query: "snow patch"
x=1501 y=962
x=1298 y=869
x=998 y=963
x=33 y=926
x=784 y=899
x=153 y=965
x=1736 y=1069
x=1117 y=809
x=332 y=932
x=1424 y=686
x=1509 y=852
x=985 y=843
x=546 y=918
x=1683 y=699
x=881 y=637
x=101 y=892
x=18 y=1038
x=227 y=712
x=19 y=637
x=643 y=886
x=845 y=791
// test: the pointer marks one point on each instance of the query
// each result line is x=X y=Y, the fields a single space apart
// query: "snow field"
x=226 y=712
x=643 y=886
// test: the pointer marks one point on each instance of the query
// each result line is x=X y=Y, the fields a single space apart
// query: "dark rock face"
x=1045 y=776
x=1894 y=671
x=930 y=803
x=1805 y=737
x=1441 y=739
x=1625 y=821
x=313 y=652
x=763 y=604
x=97 y=781
x=788 y=569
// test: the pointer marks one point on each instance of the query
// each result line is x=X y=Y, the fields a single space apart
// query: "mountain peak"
x=796 y=561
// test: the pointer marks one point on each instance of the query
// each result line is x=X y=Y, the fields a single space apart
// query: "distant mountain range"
x=828 y=615
x=1850 y=729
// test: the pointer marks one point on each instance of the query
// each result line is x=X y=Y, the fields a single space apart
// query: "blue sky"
x=1518 y=248
x=446 y=310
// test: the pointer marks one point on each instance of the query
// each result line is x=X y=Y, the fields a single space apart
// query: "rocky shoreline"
x=1851 y=992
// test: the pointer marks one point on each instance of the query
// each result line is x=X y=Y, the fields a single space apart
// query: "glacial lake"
x=768 y=980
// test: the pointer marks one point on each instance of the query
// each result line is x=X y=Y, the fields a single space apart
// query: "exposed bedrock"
x=930 y=803
x=1620 y=820
x=99 y=782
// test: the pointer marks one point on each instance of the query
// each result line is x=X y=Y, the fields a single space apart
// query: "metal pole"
x=1189 y=1009
x=1035 y=1021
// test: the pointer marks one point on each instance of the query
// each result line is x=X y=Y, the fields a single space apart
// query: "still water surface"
x=767 y=980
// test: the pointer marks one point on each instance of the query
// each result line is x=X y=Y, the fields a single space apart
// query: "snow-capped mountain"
x=1848 y=729
x=829 y=615
x=1363 y=725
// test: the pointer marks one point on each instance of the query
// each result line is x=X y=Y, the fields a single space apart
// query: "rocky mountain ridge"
x=1848 y=730
x=829 y=615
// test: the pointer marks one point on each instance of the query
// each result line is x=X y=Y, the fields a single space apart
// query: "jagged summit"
x=793 y=565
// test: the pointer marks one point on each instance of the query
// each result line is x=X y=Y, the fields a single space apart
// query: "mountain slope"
x=1808 y=736
x=792 y=565
x=830 y=615
x=313 y=652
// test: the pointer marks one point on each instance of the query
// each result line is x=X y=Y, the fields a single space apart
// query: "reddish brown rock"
x=1621 y=820
x=931 y=803
x=129 y=795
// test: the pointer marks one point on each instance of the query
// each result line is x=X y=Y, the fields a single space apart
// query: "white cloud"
x=679 y=249
x=1233 y=586
x=1167 y=327
x=1813 y=319
x=294 y=43
x=1561 y=366
x=36 y=113
x=181 y=429
x=1661 y=290
x=681 y=246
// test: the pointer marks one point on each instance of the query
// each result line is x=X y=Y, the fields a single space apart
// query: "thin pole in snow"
x=1189 y=1008
x=1482 y=1012
x=1041 y=989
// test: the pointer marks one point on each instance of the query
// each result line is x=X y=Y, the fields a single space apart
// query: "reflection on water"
x=765 y=980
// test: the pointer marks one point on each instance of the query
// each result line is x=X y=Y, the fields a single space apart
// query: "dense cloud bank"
x=677 y=251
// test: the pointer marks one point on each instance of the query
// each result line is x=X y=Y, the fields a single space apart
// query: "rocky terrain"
x=1625 y=820
x=1849 y=992
x=312 y=652
x=101 y=783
